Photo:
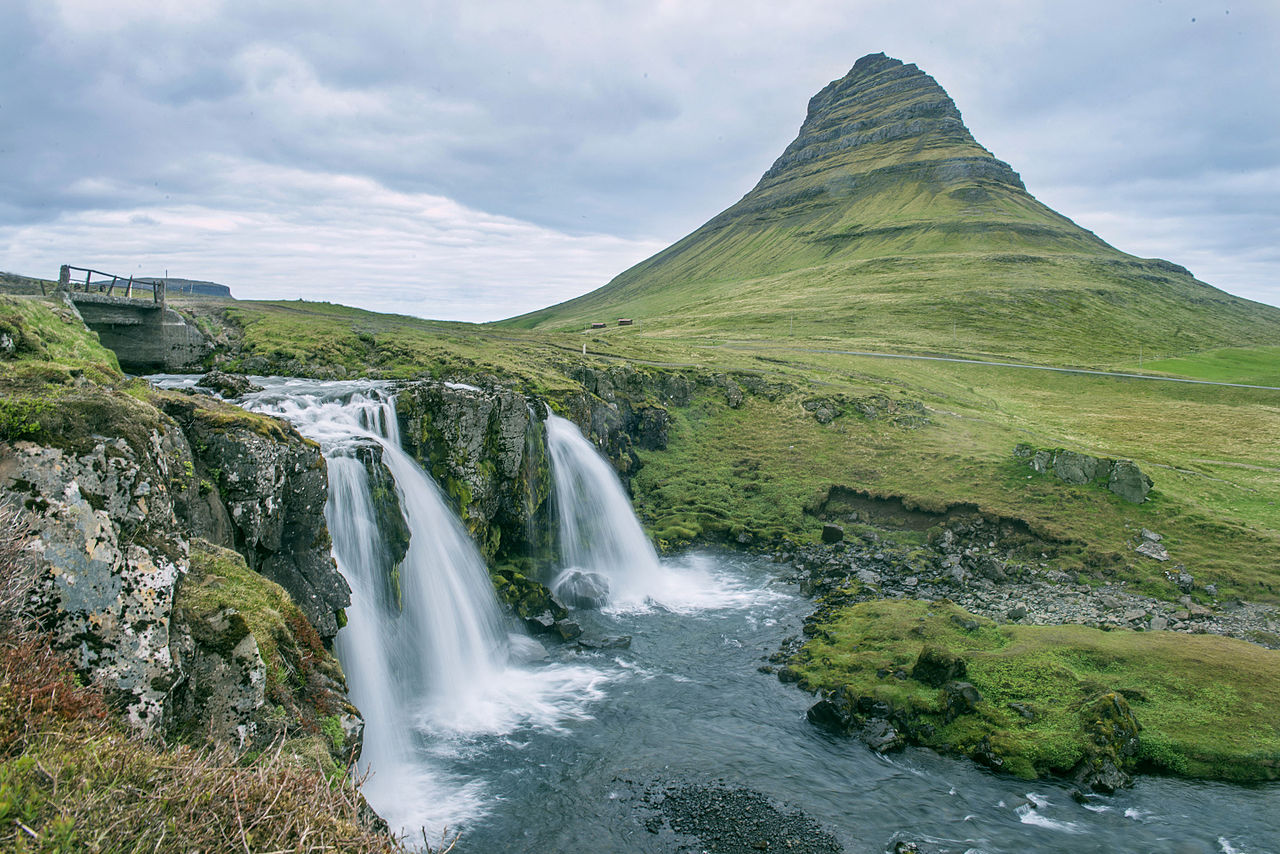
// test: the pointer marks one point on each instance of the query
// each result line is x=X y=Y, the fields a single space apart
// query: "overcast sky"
x=475 y=160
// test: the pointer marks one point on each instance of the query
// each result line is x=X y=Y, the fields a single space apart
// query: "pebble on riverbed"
x=733 y=820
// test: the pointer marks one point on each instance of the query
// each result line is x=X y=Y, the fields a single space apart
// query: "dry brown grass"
x=74 y=779
x=17 y=571
x=94 y=788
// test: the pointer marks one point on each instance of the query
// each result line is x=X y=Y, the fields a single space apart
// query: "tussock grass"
x=73 y=779
x=1209 y=706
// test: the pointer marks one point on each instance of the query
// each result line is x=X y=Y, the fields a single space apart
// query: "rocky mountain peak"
x=884 y=113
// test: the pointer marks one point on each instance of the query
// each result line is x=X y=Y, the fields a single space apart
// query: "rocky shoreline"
x=967 y=566
x=967 y=563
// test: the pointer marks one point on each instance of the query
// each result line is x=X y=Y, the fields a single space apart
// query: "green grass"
x=918 y=243
x=1248 y=365
x=326 y=340
x=1209 y=706
x=1216 y=500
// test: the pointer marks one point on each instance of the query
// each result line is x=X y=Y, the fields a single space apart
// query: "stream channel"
x=676 y=742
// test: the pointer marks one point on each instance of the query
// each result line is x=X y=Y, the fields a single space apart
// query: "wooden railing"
x=156 y=286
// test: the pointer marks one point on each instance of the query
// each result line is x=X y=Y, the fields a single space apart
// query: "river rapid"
x=658 y=732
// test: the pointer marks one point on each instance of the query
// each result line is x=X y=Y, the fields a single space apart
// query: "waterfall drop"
x=599 y=532
x=431 y=665
x=607 y=559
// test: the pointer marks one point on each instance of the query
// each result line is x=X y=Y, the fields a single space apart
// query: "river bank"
x=1025 y=670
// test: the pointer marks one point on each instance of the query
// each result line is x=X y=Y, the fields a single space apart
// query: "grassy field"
x=1208 y=706
x=1247 y=365
x=873 y=234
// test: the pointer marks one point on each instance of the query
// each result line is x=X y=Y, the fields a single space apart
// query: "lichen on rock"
x=106 y=547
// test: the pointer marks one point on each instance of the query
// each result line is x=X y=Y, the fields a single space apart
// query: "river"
x=677 y=741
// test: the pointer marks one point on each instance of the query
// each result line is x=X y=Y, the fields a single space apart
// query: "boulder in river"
x=581 y=589
x=227 y=385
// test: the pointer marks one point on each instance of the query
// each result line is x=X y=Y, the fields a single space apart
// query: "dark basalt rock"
x=734 y=820
x=227 y=385
x=881 y=736
x=620 y=642
x=937 y=667
x=961 y=698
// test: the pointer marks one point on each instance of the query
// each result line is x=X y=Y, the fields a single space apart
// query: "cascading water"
x=606 y=555
x=439 y=668
x=685 y=705
x=599 y=532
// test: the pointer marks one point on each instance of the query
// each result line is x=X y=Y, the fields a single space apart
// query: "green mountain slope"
x=886 y=224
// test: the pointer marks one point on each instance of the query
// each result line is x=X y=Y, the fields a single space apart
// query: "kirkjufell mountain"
x=885 y=223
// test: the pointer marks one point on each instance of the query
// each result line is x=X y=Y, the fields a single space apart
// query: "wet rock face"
x=394 y=541
x=270 y=497
x=106 y=543
x=579 y=589
x=485 y=448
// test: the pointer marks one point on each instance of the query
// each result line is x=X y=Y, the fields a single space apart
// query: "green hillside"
x=885 y=224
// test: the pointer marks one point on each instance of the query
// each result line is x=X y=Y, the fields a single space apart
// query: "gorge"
x=635 y=741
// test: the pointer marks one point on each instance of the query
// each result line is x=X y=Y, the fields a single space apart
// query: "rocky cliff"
x=485 y=449
x=260 y=489
x=184 y=636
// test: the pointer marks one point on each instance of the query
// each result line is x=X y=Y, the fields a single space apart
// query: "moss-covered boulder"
x=485 y=448
x=254 y=669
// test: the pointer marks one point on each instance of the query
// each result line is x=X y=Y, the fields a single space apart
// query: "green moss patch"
x=293 y=654
x=1209 y=706
x=218 y=415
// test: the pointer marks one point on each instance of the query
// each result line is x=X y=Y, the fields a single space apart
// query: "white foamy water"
x=1029 y=814
x=438 y=672
x=599 y=533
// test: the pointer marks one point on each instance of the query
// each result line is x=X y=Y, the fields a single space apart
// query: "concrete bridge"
x=146 y=335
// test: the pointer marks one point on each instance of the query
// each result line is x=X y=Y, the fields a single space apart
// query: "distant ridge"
x=885 y=222
x=189 y=286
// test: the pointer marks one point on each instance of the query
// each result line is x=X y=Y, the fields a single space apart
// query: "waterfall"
x=606 y=557
x=441 y=668
x=599 y=532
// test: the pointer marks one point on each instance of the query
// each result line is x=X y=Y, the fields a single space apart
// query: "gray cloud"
x=575 y=137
